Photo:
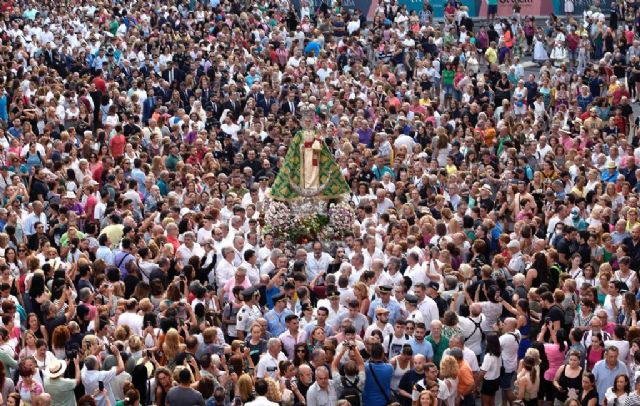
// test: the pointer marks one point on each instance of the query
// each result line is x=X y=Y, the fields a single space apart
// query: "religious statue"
x=309 y=170
x=310 y=150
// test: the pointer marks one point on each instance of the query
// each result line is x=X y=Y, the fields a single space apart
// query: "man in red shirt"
x=102 y=167
x=100 y=83
x=118 y=143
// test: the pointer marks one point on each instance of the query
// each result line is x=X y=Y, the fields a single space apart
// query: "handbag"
x=375 y=378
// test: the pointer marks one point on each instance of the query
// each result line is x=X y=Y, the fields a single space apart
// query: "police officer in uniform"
x=386 y=301
x=249 y=312
x=276 y=316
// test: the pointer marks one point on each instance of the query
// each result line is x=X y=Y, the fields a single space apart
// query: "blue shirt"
x=270 y=293
x=312 y=47
x=392 y=306
x=609 y=177
x=425 y=348
x=605 y=375
x=4 y=116
x=371 y=394
x=121 y=259
x=139 y=177
x=275 y=321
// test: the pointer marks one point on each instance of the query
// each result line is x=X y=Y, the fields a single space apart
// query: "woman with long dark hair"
x=301 y=354
x=555 y=352
x=539 y=271
x=490 y=370
x=595 y=352
x=589 y=396
x=37 y=294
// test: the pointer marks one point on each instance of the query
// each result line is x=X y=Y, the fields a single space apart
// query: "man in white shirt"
x=414 y=270
x=516 y=263
x=249 y=264
x=317 y=261
x=457 y=341
x=264 y=252
x=224 y=269
x=426 y=305
x=392 y=275
x=261 y=387
x=131 y=318
x=509 y=344
x=268 y=364
x=188 y=249
x=36 y=216
x=471 y=328
x=206 y=231
x=91 y=375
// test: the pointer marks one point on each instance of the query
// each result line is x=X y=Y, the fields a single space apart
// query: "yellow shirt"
x=451 y=169
x=491 y=55
x=612 y=88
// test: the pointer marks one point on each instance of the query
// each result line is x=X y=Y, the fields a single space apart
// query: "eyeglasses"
x=301 y=350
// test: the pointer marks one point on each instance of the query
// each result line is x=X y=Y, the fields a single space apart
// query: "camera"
x=71 y=353
x=547 y=320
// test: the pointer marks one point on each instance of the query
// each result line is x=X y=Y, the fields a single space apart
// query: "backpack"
x=350 y=391
x=476 y=328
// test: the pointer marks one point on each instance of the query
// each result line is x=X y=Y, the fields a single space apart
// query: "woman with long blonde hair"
x=273 y=394
x=91 y=346
x=449 y=374
x=171 y=345
x=244 y=388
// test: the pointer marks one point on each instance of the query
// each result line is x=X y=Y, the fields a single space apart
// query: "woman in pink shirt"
x=555 y=354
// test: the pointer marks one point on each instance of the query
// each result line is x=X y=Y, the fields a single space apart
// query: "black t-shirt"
x=38 y=188
x=619 y=68
x=410 y=378
x=563 y=247
x=52 y=323
x=555 y=314
x=636 y=71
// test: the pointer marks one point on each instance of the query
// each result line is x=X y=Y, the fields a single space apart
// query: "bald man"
x=471 y=329
x=411 y=377
x=457 y=341
x=509 y=343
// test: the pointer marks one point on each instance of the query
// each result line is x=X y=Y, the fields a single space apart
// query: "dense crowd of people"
x=497 y=242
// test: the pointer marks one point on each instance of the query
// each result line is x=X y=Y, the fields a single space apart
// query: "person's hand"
x=114 y=349
x=192 y=361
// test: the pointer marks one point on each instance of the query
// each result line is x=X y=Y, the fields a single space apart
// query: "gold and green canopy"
x=286 y=186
